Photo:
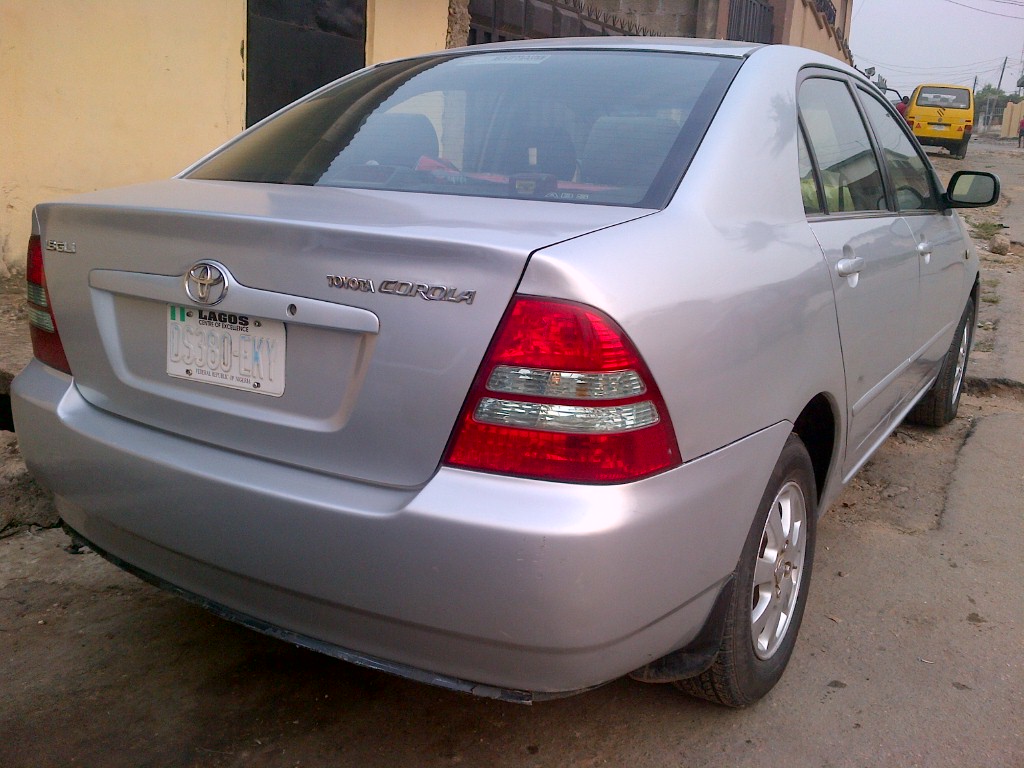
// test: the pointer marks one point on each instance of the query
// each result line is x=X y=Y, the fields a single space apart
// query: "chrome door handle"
x=847 y=267
x=924 y=249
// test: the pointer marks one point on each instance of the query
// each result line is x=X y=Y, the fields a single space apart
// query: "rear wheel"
x=771 y=588
x=960 y=150
x=940 y=404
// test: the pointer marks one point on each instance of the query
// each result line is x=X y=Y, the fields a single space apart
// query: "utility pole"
x=999 y=88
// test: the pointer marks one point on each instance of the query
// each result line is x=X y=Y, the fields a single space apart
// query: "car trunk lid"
x=375 y=307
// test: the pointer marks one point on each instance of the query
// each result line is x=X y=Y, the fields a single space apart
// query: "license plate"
x=227 y=349
x=939 y=126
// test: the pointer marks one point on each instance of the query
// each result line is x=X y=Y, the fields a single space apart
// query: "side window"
x=850 y=178
x=809 y=189
x=908 y=173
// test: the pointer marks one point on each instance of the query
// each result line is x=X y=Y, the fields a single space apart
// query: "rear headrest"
x=626 y=151
x=393 y=138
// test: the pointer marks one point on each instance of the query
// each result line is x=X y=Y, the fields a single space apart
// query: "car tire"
x=960 y=152
x=939 y=405
x=772 y=579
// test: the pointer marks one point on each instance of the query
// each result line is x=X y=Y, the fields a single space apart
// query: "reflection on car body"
x=651 y=346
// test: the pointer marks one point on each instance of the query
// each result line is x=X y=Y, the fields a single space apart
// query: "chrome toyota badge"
x=206 y=282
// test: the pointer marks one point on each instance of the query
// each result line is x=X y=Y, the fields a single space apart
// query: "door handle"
x=847 y=267
x=924 y=249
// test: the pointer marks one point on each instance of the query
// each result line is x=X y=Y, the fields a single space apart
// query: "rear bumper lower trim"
x=328 y=649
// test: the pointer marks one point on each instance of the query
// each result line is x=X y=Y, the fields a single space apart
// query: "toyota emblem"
x=206 y=282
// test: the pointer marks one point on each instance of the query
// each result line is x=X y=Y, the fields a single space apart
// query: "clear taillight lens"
x=563 y=395
x=46 y=343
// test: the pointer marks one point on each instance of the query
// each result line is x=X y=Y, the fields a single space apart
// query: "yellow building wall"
x=808 y=28
x=399 y=28
x=1011 y=119
x=100 y=93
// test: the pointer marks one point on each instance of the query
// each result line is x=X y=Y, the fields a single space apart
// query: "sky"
x=939 y=41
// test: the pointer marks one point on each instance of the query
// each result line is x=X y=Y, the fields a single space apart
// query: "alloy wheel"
x=778 y=572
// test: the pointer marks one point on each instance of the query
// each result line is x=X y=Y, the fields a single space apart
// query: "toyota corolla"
x=512 y=369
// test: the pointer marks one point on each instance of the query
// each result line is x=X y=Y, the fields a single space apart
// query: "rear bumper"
x=946 y=140
x=511 y=584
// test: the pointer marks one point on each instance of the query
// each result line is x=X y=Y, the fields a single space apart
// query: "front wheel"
x=940 y=404
x=770 y=592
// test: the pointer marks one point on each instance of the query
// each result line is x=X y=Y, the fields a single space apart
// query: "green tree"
x=1000 y=97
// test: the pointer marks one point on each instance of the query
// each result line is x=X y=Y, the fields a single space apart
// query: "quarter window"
x=850 y=177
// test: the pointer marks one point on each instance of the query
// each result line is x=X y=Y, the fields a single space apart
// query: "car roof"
x=729 y=48
x=945 y=85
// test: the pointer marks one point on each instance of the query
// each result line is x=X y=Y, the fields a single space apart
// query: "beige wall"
x=398 y=28
x=1011 y=119
x=802 y=24
x=98 y=93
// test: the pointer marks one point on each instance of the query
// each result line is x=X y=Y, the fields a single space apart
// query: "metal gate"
x=750 y=20
x=296 y=46
x=493 y=21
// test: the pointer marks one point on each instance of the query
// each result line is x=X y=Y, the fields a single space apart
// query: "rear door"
x=872 y=258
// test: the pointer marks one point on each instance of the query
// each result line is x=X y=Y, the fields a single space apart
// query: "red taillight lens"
x=563 y=395
x=46 y=343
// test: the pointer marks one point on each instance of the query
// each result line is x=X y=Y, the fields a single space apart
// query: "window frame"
x=822 y=73
x=864 y=92
x=860 y=89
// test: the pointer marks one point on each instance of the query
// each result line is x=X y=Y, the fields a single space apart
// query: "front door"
x=937 y=234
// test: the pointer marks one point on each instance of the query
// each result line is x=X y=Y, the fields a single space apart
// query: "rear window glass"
x=601 y=127
x=950 y=98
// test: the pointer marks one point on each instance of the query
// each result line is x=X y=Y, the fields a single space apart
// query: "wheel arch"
x=817 y=427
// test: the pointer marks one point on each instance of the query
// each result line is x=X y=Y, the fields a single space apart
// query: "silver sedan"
x=512 y=369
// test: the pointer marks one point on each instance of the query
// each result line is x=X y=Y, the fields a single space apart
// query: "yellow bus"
x=942 y=116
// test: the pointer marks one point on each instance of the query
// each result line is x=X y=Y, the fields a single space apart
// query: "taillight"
x=46 y=343
x=563 y=395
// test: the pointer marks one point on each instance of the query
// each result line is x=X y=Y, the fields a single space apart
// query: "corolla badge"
x=206 y=282
x=425 y=291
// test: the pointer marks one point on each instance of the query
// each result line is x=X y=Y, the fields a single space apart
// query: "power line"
x=992 y=63
x=943 y=76
x=982 y=10
x=963 y=72
x=858 y=9
x=1018 y=3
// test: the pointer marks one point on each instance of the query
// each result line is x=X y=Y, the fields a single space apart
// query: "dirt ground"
x=909 y=654
x=22 y=502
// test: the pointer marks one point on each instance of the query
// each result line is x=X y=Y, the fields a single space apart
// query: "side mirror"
x=972 y=189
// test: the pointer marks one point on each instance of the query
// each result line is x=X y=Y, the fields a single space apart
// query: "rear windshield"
x=949 y=98
x=600 y=127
